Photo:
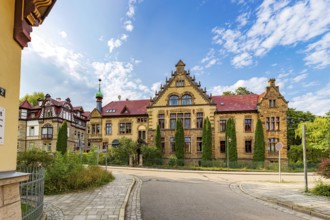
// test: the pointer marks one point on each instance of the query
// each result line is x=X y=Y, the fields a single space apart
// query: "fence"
x=32 y=194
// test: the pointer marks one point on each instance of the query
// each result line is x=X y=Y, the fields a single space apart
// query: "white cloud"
x=155 y=87
x=131 y=8
x=72 y=62
x=316 y=102
x=115 y=43
x=128 y=26
x=318 y=53
x=283 y=75
x=300 y=77
x=242 y=19
x=279 y=23
x=63 y=34
x=255 y=85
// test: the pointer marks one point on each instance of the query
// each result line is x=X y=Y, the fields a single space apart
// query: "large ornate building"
x=182 y=98
x=38 y=125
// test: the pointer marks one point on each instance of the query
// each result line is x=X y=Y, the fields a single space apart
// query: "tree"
x=238 y=91
x=62 y=138
x=259 y=143
x=158 y=139
x=294 y=118
x=122 y=152
x=317 y=132
x=242 y=91
x=231 y=140
x=33 y=98
x=207 y=140
x=179 y=142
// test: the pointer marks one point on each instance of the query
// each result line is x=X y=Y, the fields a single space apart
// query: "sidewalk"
x=289 y=195
x=108 y=202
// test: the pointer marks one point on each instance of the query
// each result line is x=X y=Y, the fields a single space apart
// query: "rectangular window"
x=248 y=146
x=222 y=125
x=108 y=128
x=172 y=121
x=271 y=144
x=186 y=123
x=125 y=128
x=163 y=144
x=180 y=117
x=47 y=133
x=142 y=120
x=180 y=83
x=199 y=120
x=161 y=121
x=187 y=144
x=248 y=125
x=277 y=124
x=142 y=135
x=222 y=146
x=199 y=144
x=31 y=132
x=272 y=103
x=267 y=124
x=172 y=143
x=272 y=123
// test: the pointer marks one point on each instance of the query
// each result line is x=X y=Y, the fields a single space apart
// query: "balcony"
x=47 y=136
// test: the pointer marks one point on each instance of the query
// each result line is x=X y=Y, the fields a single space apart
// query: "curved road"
x=195 y=195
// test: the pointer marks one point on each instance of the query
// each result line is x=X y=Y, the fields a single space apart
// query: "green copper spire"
x=99 y=93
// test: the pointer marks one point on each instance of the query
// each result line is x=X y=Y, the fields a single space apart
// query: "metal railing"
x=32 y=194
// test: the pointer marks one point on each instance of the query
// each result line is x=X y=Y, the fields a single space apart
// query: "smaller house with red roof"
x=181 y=97
x=38 y=125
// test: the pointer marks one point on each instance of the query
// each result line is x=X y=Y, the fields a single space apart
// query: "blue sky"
x=133 y=45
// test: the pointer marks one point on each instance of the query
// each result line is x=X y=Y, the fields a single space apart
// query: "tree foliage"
x=294 y=118
x=62 y=138
x=121 y=153
x=158 y=139
x=259 y=143
x=207 y=140
x=317 y=132
x=238 y=91
x=179 y=142
x=231 y=144
x=33 y=98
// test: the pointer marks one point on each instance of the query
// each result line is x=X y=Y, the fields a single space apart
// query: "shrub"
x=151 y=155
x=172 y=161
x=324 y=169
x=259 y=144
x=120 y=154
x=34 y=158
x=322 y=189
x=67 y=173
x=179 y=143
x=313 y=155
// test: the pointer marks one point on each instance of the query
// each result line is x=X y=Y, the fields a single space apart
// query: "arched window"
x=186 y=100
x=174 y=100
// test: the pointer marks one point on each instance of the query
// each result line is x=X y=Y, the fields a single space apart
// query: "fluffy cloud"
x=115 y=43
x=255 y=85
x=300 y=77
x=128 y=26
x=316 y=102
x=279 y=23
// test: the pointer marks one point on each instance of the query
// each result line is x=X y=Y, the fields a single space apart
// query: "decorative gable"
x=95 y=114
x=181 y=89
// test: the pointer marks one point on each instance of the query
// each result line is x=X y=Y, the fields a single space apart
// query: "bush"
x=172 y=161
x=322 y=189
x=151 y=155
x=324 y=168
x=67 y=173
x=313 y=155
x=120 y=154
x=34 y=158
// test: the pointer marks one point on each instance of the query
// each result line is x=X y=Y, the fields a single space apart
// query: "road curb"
x=123 y=207
x=289 y=205
x=210 y=172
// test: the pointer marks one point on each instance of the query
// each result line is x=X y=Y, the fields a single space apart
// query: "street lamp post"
x=227 y=150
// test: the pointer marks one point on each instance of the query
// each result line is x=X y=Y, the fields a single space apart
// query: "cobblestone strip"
x=101 y=203
x=53 y=212
x=133 y=211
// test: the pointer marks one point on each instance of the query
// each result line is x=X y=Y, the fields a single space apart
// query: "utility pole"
x=304 y=156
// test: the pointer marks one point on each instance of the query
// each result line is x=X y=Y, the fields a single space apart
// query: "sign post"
x=279 y=146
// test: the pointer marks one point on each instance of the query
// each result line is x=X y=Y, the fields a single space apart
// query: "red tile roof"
x=25 y=104
x=233 y=103
x=134 y=107
x=86 y=114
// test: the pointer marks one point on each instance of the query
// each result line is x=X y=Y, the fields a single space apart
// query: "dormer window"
x=186 y=100
x=174 y=100
x=179 y=83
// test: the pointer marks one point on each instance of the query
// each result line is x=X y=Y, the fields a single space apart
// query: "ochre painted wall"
x=10 y=62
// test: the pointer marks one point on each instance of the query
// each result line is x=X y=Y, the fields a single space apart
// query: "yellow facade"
x=245 y=110
x=10 y=67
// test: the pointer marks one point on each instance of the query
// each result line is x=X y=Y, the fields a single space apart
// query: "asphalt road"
x=163 y=199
